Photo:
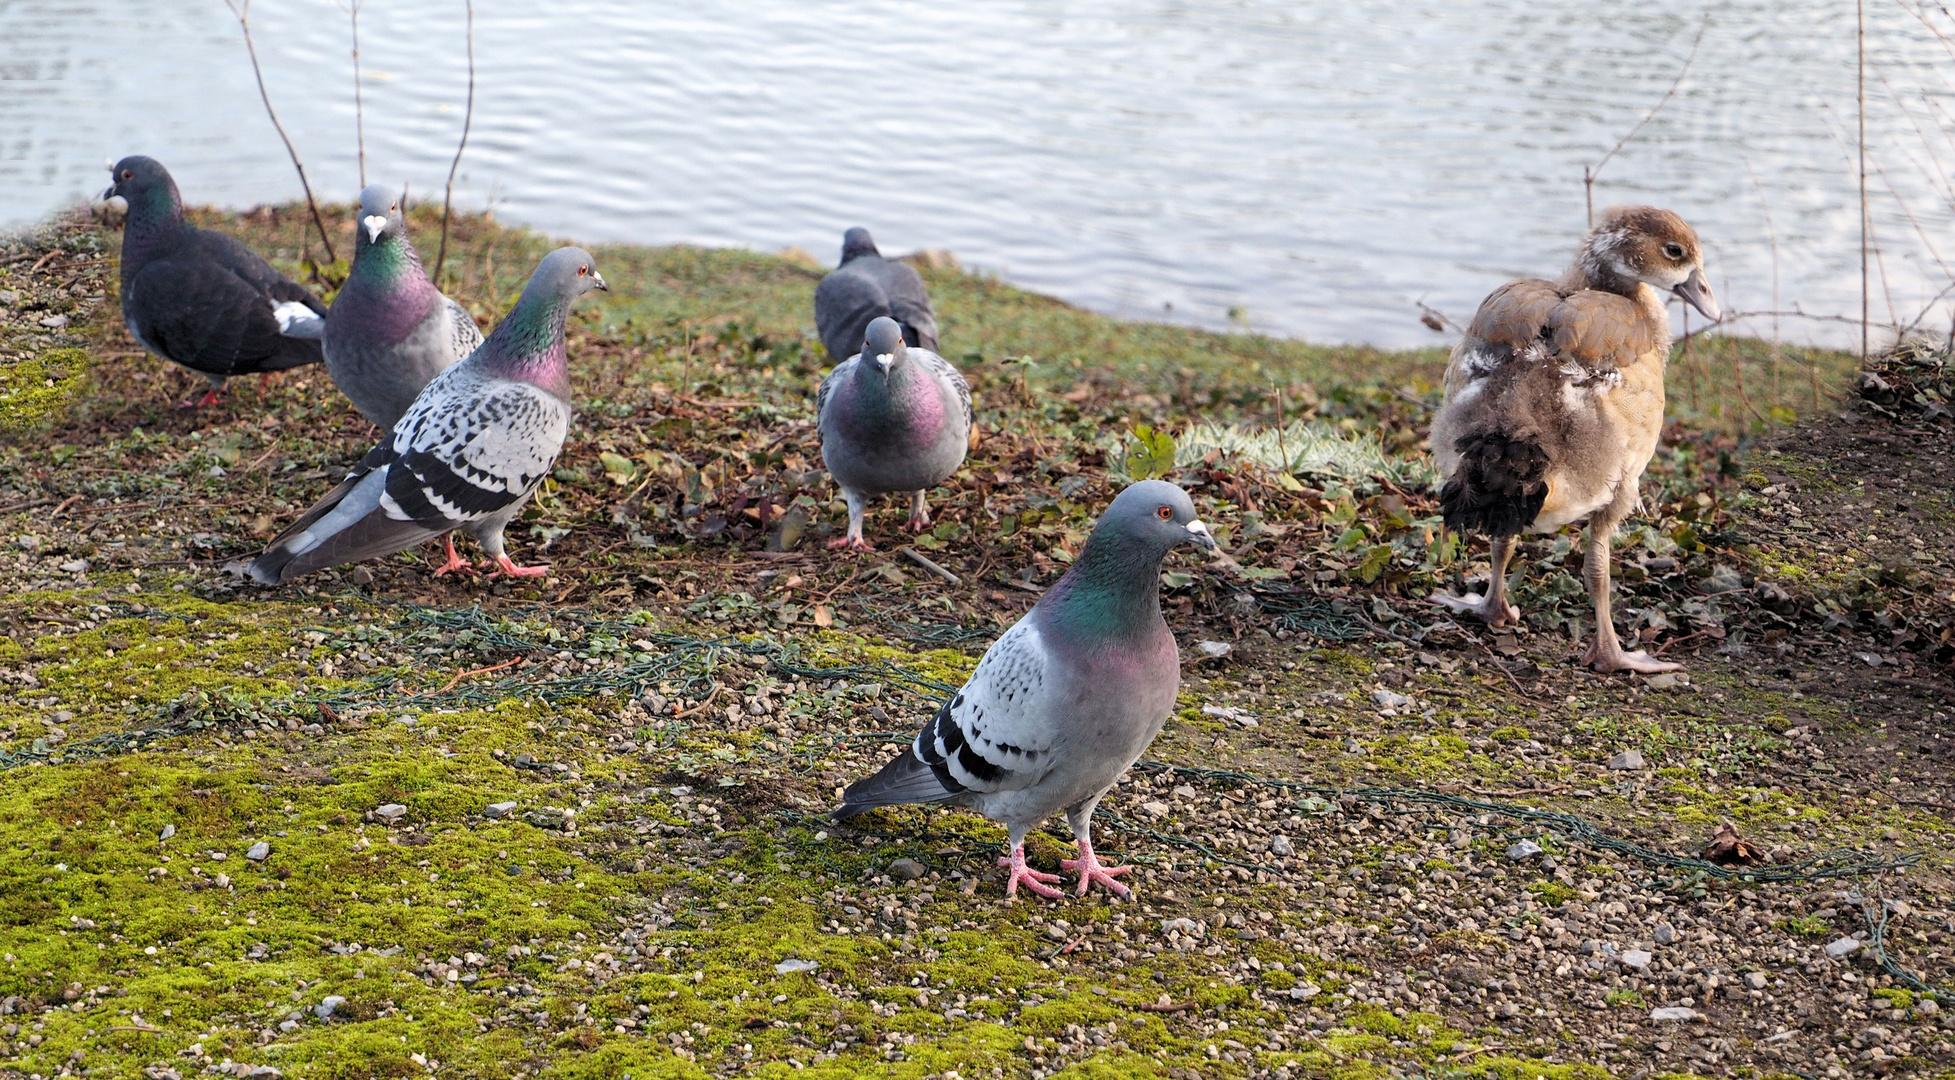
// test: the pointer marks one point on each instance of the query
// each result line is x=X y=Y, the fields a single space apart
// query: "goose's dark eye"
x=1165 y=513
x=1675 y=251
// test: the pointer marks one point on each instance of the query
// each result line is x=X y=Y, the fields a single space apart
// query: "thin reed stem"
x=242 y=9
x=468 y=121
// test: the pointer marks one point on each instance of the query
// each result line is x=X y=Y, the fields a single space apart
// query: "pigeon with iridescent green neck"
x=893 y=417
x=197 y=297
x=1065 y=701
x=470 y=452
x=390 y=331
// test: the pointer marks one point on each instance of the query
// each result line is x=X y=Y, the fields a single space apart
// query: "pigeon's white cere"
x=117 y=203
x=885 y=359
x=374 y=224
x=1197 y=527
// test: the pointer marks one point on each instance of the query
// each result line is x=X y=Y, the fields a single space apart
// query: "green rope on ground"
x=1876 y=913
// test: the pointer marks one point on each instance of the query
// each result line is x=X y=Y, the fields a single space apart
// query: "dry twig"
x=242 y=9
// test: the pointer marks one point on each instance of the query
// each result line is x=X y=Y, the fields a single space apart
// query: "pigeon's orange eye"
x=128 y=174
x=582 y=270
x=1165 y=514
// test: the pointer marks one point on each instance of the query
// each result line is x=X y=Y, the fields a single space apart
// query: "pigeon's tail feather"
x=1499 y=486
x=293 y=351
x=904 y=780
x=346 y=526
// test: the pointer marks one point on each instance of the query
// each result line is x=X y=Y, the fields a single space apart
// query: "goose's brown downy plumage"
x=1554 y=401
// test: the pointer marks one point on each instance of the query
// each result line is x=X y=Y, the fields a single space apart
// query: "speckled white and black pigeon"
x=893 y=417
x=471 y=450
x=390 y=330
x=1065 y=701
x=200 y=298
x=866 y=286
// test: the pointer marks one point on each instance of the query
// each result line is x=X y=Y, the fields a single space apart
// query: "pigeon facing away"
x=470 y=451
x=865 y=287
x=200 y=298
x=1065 y=701
x=893 y=417
x=390 y=330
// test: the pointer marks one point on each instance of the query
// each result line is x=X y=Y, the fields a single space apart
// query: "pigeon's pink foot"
x=853 y=543
x=209 y=398
x=919 y=522
x=455 y=561
x=505 y=566
x=1037 y=881
x=1091 y=872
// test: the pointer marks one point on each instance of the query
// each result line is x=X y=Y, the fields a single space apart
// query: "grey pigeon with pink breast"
x=1065 y=701
x=894 y=417
x=390 y=331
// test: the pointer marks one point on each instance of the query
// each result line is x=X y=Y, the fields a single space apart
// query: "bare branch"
x=468 y=120
x=1592 y=173
x=242 y=9
x=359 y=105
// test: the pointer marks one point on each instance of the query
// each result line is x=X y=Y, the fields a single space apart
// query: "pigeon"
x=390 y=330
x=199 y=298
x=469 y=452
x=893 y=417
x=1554 y=406
x=1065 y=701
x=866 y=286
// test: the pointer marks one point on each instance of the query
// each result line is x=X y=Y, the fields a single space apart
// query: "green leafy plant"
x=1151 y=453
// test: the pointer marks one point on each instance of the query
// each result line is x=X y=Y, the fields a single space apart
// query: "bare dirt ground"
x=1374 y=842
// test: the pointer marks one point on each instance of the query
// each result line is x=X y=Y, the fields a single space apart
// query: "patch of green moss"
x=35 y=389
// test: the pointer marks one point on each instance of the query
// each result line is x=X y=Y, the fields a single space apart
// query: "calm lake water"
x=1317 y=168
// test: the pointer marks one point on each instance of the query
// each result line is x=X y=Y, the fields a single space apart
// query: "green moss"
x=35 y=389
x=1551 y=893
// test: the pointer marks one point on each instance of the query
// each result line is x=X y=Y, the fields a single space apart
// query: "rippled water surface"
x=1316 y=169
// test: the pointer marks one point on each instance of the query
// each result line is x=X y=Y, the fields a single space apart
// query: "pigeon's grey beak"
x=597 y=279
x=1696 y=292
x=375 y=224
x=1199 y=534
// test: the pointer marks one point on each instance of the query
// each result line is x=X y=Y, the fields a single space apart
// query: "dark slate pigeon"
x=1065 y=701
x=470 y=452
x=866 y=287
x=199 y=298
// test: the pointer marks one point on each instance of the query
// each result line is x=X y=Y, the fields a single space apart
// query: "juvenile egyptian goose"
x=1554 y=401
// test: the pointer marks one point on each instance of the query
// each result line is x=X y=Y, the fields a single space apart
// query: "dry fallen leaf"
x=1727 y=848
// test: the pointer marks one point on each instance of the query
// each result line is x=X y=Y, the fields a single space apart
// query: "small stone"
x=551 y=817
x=361 y=575
x=258 y=852
x=1843 y=948
x=55 y=322
x=1188 y=928
x=223 y=881
x=1184 y=791
x=498 y=810
x=1668 y=680
x=9 y=297
x=793 y=966
x=1636 y=959
x=1214 y=650
x=1305 y=991
x=1155 y=808
x=1279 y=846
x=1389 y=700
x=27 y=542
x=1666 y=934
x=288 y=1025
x=1927 y=1006
x=907 y=869
x=324 y=1010
x=1674 y=1014
x=1526 y=849
x=1628 y=759
x=1755 y=980
x=168 y=831
x=390 y=813
x=75 y=566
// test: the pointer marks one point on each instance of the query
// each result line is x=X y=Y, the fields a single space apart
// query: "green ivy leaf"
x=1151 y=455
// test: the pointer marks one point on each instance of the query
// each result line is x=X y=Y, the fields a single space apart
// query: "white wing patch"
x=298 y=321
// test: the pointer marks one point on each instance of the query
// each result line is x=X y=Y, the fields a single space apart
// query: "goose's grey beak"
x=1696 y=291
x=375 y=224
x=597 y=279
x=1199 y=534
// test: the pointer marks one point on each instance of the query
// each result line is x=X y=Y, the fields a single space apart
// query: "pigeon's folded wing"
x=909 y=303
x=997 y=733
x=465 y=336
x=204 y=316
x=462 y=458
x=835 y=378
